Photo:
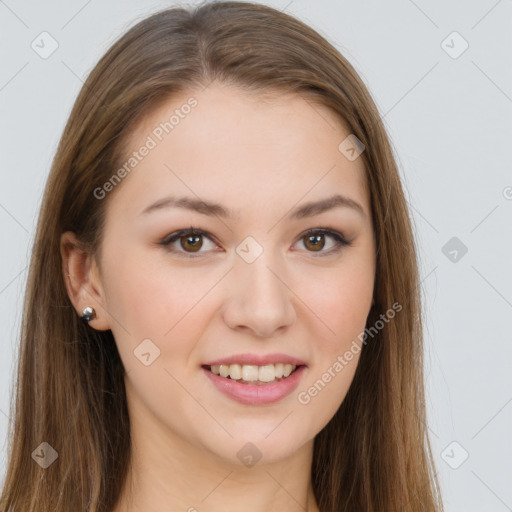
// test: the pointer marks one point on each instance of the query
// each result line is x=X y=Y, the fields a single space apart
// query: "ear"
x=82 y=278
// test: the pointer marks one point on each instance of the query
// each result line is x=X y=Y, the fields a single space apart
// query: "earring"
x=88 y=314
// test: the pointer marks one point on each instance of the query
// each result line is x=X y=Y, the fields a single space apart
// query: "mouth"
x=253 y=374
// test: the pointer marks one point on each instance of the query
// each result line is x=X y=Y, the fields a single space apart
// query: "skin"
x=261 y=157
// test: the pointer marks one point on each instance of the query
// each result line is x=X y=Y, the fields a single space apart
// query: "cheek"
x=160 y=302
x=147 y=294
x=343 y=309
x=341 y=295
x=340 y=303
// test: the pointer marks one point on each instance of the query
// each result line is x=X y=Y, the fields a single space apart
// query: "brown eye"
x=188 y=243
x=315 y=242
x=191 y=242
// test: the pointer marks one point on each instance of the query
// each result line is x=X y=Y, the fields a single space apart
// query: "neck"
x=167 y=476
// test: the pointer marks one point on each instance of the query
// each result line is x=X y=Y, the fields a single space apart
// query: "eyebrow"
x=210 y=208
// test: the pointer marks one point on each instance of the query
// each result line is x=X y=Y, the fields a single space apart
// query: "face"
x=220 y=246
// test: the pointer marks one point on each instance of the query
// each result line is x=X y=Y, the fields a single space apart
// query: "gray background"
x=450 y=120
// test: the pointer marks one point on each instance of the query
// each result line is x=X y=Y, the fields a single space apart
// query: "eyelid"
x=176 y=235
x=340 y=239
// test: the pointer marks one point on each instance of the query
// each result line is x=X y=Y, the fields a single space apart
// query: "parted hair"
x=374 y=454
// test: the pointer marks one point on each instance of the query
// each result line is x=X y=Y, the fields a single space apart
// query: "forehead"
x=236 y=145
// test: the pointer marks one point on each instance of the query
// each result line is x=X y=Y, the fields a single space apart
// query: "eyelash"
x=338 y=237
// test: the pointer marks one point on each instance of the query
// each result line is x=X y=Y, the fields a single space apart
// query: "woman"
x=222 y=309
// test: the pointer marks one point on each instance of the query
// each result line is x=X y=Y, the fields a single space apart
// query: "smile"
x=253 y=374
x=255 y=391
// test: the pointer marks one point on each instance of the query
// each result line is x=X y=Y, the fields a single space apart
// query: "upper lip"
x=258 y=360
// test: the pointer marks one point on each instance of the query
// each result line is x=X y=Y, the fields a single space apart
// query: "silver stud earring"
x=88 y=314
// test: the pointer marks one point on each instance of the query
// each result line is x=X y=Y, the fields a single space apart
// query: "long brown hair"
x=374 y=455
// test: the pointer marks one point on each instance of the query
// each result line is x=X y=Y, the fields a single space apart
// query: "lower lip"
x=251 y=394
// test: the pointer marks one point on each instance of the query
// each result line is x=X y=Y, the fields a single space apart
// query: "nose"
x=260 y=299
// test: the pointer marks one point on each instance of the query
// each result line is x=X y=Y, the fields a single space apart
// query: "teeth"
x=249 y=372
x=235 y=371
x=288 y=368
x=253 y=373
x=266 y=373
